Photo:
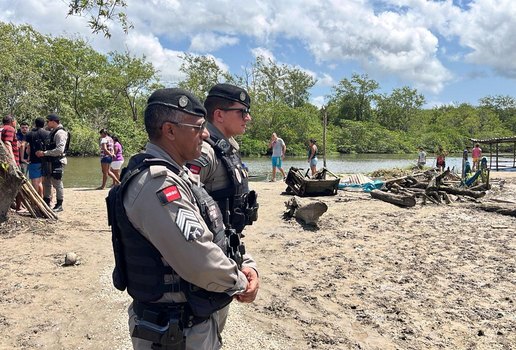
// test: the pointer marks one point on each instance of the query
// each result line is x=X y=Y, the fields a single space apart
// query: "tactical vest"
x=235 y=201
x=138 y=264
x=50 y=142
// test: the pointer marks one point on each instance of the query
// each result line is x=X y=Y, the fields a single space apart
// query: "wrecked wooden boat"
x=323 y=183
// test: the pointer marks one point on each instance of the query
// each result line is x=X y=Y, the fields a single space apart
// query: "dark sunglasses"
x=244 y=111
x=198 y=128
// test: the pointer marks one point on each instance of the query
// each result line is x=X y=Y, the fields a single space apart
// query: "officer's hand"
x=40 y=153
x=253 y=283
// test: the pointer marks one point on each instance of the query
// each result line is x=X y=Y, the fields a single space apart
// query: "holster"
x=236 y=248
x=164 y=328
x=57 y=169
x=251 y=211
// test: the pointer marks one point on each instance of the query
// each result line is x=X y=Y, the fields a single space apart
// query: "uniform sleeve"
x=249 y=262
x=161 y=208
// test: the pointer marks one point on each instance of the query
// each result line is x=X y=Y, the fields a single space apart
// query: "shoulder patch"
x=189 y=224
x=168 y=194
x=203 y=160
x=157 y=170
x=195 y=169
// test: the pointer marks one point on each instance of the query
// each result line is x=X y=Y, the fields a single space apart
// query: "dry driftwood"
x=400 y=200
x=499 y=208
x=306 y=210
x=437 y=180
x=463 y=192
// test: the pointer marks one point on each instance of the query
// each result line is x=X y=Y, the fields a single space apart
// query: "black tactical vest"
x=50 y=142
x=236 y=199
x=138 y=264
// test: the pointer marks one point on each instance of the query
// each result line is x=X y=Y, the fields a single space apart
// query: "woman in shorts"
x=106 y=158
x=118 y=159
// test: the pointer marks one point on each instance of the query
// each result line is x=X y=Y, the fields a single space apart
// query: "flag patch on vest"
x=189 y=224
x=195 y=169
x=169 y=194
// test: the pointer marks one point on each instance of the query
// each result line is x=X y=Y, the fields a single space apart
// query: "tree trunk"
x=10 y=182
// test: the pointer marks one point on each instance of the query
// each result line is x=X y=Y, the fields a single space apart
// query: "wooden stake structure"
x=33 y=202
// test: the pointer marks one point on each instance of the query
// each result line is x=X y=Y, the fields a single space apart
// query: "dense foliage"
x=90 y=90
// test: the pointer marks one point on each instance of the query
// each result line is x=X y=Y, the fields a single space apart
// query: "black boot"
x=59 y=206
x=47 y=200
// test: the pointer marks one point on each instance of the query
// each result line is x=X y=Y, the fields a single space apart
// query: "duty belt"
x=163 y=312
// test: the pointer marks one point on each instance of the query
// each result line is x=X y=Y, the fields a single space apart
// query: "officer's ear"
x=217 y=115
x=167 y=130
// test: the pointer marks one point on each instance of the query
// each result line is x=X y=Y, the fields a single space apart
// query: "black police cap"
x=231 y=93
x=179 y=99
x=53 y=118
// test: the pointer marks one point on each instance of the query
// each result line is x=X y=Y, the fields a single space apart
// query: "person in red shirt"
x=9 y=138
x=11 y=143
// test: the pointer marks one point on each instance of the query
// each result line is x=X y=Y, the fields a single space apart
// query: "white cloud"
x=318 y=101
x=166 y=61
x=488 y=30
x=209 y=42
x=402 y=39
x=263 y=52
x=325 y=80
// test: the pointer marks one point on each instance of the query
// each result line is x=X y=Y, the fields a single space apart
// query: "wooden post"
x=497 y=156
x=325 y=121
x=490 y=155
x=514 y=155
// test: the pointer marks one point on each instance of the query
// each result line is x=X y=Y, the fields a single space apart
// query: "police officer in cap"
x=220 y=167
x=54 y=161
x=169 y=239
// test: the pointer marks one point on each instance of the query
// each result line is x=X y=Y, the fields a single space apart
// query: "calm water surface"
x=85 y=172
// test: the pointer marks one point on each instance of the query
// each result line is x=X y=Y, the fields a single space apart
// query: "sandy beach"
x=369 y=275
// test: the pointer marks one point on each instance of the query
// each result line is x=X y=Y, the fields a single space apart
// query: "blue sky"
x=451 y=51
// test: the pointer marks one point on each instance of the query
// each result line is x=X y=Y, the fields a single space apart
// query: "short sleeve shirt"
x=277 y=148
x=9 y=135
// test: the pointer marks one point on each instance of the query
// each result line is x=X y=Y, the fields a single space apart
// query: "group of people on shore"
x=279 y=148
x=39 y=153
x=440 y=160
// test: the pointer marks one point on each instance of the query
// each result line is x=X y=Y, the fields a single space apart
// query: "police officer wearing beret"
x=171 y=251
x=220 y=167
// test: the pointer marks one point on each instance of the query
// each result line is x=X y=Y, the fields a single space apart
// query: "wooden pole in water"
x=325 y=121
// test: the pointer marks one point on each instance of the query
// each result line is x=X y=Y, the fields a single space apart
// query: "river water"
x=85 y=171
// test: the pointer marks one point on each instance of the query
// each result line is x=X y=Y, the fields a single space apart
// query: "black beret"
x=230 y=92
x=179 y=99
x=53 y=118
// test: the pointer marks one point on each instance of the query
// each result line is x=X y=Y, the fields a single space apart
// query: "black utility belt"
x=161 y=313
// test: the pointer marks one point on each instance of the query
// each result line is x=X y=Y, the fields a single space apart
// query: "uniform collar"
x=217 y=135
x=158 y=152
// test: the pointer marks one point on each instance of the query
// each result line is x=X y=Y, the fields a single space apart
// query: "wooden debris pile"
x=33 y=202
x=429 y=186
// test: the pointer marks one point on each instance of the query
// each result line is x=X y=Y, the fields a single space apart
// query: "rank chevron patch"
x=189 y=224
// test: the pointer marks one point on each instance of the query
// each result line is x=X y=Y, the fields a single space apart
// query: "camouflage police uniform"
x=161 y=206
